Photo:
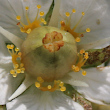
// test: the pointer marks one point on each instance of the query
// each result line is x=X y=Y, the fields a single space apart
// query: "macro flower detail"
x=46 y=56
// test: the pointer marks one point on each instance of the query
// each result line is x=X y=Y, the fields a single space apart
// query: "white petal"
x=8 y=84
x=28 y=81
x=98 y=80
x=13 y=38
x=96 y=18
x=34 y=99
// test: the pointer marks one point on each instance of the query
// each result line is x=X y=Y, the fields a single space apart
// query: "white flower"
x=85 y=20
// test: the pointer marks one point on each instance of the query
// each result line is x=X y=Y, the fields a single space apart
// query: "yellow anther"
x=49 y=86
x=83 y=13
x=26 y=8
x=16 y=66
x=38 y=6
x=61 y=84
x=14 y=75
x=45 y=22
x=86 y=57
x=19 y=53
x=63 y=88
x=67 y=14
x=73 y=66
x=21 y=65
x=18 y=17
x=12 y=71
x=88 y=30
x=77 y=39
x=42 y=20
x=41 y=13
x=82 y=51
x=28 y=31
x=84 y=73
x=37 y=84
x=76 y=68
x=8 y=46
x=18 y=70
x=74 y=11
x=40 y=79
x=16 y=49
x=11 y=46
x=22 y=69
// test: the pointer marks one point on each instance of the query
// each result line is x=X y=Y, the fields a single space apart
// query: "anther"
x=18 y=17
x=67 y=14
x=41 y=13
x=63 y=89
x=84 y=73
x=74 y=11
x=37 y=84
x=83 y=13
x=88 y=30
x=38 y=6
x=49 y=87
x=77 y=39
x=26 y=8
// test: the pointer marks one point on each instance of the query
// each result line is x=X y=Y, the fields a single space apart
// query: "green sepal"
x=48 y=15
x=97 y=57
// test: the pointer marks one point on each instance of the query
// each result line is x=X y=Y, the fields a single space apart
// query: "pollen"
x=27 y=28
x=81 y=59
x=57 y=85
x=66 y=26
x=16 y=59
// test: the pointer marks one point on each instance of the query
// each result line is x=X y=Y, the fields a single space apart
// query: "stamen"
x=16 y=59
x=58 y=85
x=67 y=26
x=82 y=58
x=35 y=24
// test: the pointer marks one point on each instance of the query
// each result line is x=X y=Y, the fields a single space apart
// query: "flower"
x=49 y=55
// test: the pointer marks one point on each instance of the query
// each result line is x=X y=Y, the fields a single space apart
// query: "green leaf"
x=48 y=15
x=97 y=57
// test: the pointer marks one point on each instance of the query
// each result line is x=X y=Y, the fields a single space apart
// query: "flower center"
x=44 y=52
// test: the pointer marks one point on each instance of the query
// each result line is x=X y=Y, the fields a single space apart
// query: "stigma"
x=31 y=25
x=57 y=85
x=66 y=25
x=16 y=60
x=80 y=61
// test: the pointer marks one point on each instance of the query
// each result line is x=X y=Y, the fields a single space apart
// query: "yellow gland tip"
x=40 y=79
x=61 y=84
x=14 y=75
x=26 y=8
x=12 y=71
x=28 y=31
x=18 y=17
x=49 y=86
x=74 y=11
x=37 y=84
x=63 y=89
x=84 y=73
x=38 y=6
x=77 y=39
x=83 y=13
x=67 y=14
x=41 y=13
x=18 y=70
x=16 y=49
x=88 y=30
x=82 y=51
